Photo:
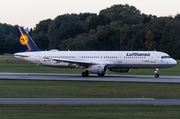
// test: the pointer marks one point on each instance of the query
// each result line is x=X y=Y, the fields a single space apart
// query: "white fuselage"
x=112 y=59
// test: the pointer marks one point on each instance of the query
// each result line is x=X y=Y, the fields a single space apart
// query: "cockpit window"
x=165 y=57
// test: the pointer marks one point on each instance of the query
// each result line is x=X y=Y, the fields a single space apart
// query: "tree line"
x=120 y=27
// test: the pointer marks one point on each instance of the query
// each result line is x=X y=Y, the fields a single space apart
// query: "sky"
x=28 y=13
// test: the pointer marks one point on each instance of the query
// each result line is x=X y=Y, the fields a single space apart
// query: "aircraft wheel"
x=85 y=74
x=156 y=75
x=101 y=74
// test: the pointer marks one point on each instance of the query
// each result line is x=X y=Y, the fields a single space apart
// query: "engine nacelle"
x=98 y=69
x=120 y=70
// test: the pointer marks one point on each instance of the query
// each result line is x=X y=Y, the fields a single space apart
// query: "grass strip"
x=89 y=111
x=76 y=89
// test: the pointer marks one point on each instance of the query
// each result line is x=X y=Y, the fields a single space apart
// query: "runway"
x=92 y=77
x=150 y=101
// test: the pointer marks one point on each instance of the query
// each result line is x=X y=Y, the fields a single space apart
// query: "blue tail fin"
x=26 y=43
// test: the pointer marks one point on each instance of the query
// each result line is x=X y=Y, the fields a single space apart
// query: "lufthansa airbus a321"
x=97 y=62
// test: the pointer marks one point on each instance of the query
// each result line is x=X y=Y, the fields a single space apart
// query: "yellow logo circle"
x=24 y=39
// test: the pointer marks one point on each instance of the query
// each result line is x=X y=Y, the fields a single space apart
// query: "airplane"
x=97 y=62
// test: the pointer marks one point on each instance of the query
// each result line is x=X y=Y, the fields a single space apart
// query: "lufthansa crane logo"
x=24 y=39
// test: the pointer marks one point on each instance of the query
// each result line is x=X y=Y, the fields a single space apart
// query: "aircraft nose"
x=173 y=62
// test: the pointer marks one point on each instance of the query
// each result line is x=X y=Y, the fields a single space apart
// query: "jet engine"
x=98 y=69
x=120 y=70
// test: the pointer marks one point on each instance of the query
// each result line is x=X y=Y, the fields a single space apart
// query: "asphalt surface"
x=92 y=77
x=151 y=101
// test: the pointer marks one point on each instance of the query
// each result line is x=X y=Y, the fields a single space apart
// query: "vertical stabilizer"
x=26 y=43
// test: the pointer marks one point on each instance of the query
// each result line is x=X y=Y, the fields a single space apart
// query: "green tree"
x=39 y=34
x=150 y=43
x=8 y=39
x=170 y=42
x=64 y=27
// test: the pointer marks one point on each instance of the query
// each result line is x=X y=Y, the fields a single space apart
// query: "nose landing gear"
x=156 y=74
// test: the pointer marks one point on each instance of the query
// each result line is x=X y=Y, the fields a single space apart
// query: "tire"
x=101 y=74
x=156 y=75
x=85 y=74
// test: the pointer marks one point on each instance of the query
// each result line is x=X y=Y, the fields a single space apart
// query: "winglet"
x=25 y=41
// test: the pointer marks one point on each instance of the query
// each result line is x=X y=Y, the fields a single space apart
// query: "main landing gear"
x=156 y=74
x=101 y=74
x=85 y=73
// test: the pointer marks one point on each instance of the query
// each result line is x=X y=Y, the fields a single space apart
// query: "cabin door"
x=153 y=58
x=38 y=57
x=79 y=57
x=119 y=58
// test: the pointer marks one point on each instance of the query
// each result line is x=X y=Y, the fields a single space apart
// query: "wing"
x=23 y=56
x=72 y=61
x=81 y=63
